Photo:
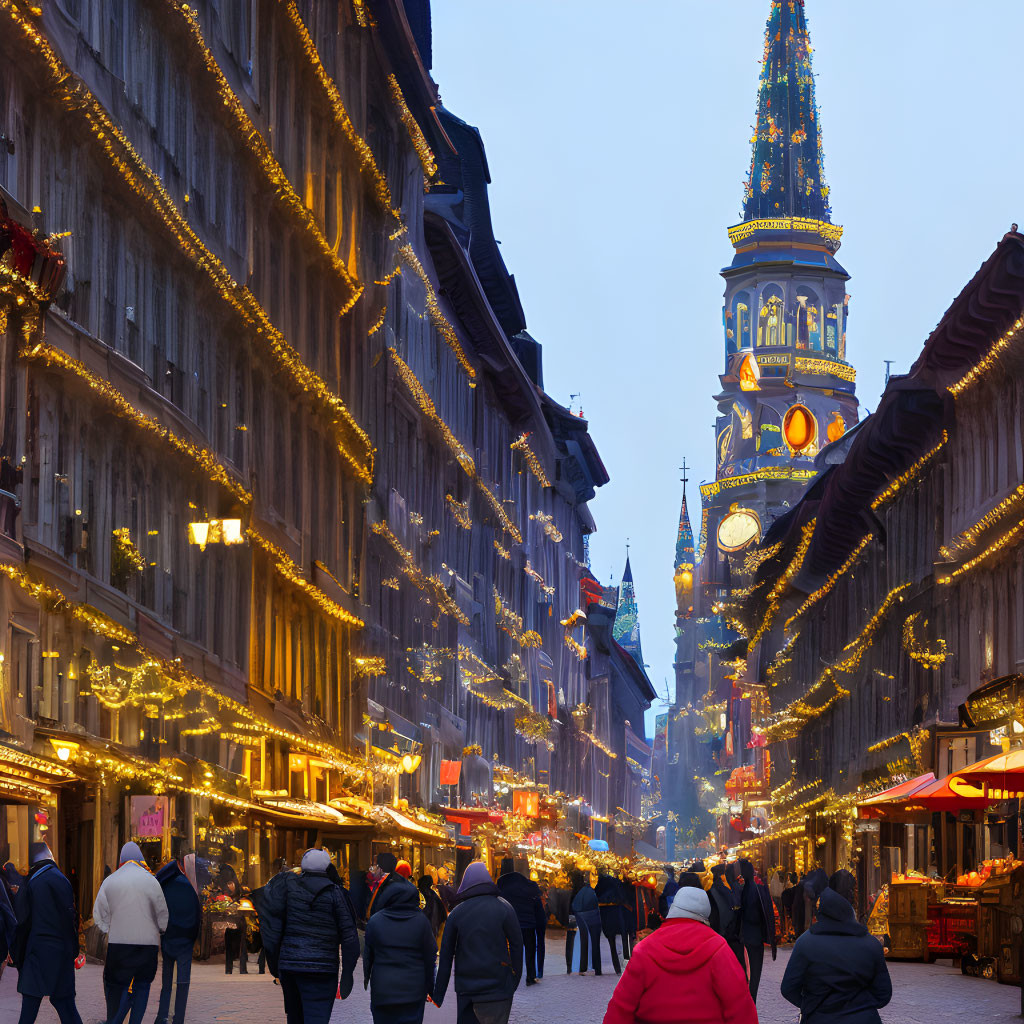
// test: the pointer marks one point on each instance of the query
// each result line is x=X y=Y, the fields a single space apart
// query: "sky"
x=618 y=139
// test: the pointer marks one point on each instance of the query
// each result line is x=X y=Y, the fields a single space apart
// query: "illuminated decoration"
x=917 y=740
x=363 y=17
x=444 y=328
x=125 y=557
x=460 y=510
x=463 y=457
x=775 y=595
x=827 y=586
x=251 y=141
x=916 y=650
x=803 y=364
x=756 y=558
x=537 y=578
x=378 y=323
x=799 y=428
x=768 y=473
x=548 y=524
x=990 y=359
x=837 y=428
x=534 y=727
x=968 y=539
x=429 y=662
x=370 y=666
x=890 y=492
x=419 y=142
x=202 y=458
x=391 y=582
x=216 y=531
x=738 y=529
x=750 y=377
x=578 y=617
x=420 y=579
x=502 y=551
x=142 y=182
x=64 y=749
x=576 y=647
x=522 y=445
x=1010 y=537
x=512 y=623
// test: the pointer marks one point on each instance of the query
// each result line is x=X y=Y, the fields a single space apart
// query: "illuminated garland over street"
x=775 y=596
x=884 y=497
x=522 y=445
x=1008 y=538
x=142 y=182
x=826 y=587
x=419 y=142
x=991 y=358
x=969 y=537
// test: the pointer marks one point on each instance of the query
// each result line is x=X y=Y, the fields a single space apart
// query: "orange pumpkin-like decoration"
x=799 y=428
x=837 y=427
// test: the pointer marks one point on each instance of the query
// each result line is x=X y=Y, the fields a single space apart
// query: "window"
x=769 y=319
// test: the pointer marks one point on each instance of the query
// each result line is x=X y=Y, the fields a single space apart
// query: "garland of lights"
x=827 y=586
x=916 y=738
x=522 y=445
x=250 y=139
x=916 y=650
x=548 y=523
x=884 y=497
x=576 y=647
x=1011 y=535
x=142 y=182
x=775 y=596
x=371 y=665
x=378 y=323
x=363 y=17
x=991 y=358
x=968 y=539
x=465 y=460
x=419 y=142
x=460 y=510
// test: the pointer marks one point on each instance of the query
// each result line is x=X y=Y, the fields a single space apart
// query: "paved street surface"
x=923 y=995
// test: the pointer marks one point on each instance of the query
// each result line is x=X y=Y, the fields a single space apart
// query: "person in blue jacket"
x=184 y=916
x=46 y=939
x=399 y=957
x=836 y=973
x=588 y=920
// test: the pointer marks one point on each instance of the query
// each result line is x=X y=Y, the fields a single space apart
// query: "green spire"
x=787 y=168
x=626 y=628
x=684 y=539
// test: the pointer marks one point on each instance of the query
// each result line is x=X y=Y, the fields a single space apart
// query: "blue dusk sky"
x=618 y=139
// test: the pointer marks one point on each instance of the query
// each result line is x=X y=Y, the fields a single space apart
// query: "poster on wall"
x=149 y=814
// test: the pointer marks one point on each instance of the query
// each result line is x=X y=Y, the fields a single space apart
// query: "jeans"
x=183 y=960
x=483 y=1013
x=308 y=996
x=67 y=1012
x=120 y=1001
x=755 y=954
x=590 y=934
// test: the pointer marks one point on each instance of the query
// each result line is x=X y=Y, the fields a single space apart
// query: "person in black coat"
x=668 y=894
x=559 y=906
x=837 y=970
x=304 y=919
x=483 y=940
x=789 y=894
x=184 y=917
x=725 y=911
x=587 y=912
x=433 y=906
x=399 y=957
x=523 y=895
x=632 y=915
x=757 y=927
x=609 y=901
x=46 y=939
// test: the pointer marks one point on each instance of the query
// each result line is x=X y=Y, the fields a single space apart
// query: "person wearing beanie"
x=45 y=940
x=304 y=918
x=131 y=910
x=837 y=970
x=684 y=973
x=483 y=941
x=524 y=897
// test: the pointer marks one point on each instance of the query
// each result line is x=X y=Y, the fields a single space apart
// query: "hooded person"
x=304 y=919
x=836 y=973
x=845 y=883
x=609 y=901
x=725 y=910
x=131 y=910
x=484 y=942
x=386 y=872
x=523 y=895
x=757 y=923
x=684 y=973
x=399 y=957
x=587 y=912
x=45 y=941
x=432 y=906
x=184 y=917
x=668 y=894
x=814 y=885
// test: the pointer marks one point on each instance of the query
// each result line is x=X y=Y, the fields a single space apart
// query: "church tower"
x=626 y=628
x=787 y=390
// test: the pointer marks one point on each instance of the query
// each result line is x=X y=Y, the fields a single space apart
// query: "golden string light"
x=576 y=647
x=1010 y=537
x=826 y=587
x=968 y=539
x=419 y=141
x=370 y=666
x=142 y=182
x=916 y=650
x=252 y=142
x=522 y=445
x=378 y=323
x=363 y=17
x=775 y=595
x=503 y=552
x=460 y=510
x=288 y=570
x=988 y=361
x=884 y=497
x=547 y=523
x=444 y=328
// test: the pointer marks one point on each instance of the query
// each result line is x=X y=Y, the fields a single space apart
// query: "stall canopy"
x=875 y=806
x=1000 y=776
x=948 y=794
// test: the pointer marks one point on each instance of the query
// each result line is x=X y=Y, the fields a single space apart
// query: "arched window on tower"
x=769 y=318
x=808 y=319
x=741 y=319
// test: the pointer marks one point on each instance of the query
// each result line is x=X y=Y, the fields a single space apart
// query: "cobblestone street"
x=923 y=995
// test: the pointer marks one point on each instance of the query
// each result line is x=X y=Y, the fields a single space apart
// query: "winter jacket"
x=668 y=894
x=757 y=911
x=304 y=919
x=585 y=907
x=559 y=905
x=433 y=907
x=483 y=938
x=130 y=907
x=8 y=923
x=836 y=973
x=609 y=900
x=684 y=973
x=46 y=936
x=632 y=908
x=400 y=950
x=725 y=911
x=184 y=911
x=523 y=895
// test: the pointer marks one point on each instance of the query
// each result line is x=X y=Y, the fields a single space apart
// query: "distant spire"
x=626 y=628
x=787 y=168
x=684 y=539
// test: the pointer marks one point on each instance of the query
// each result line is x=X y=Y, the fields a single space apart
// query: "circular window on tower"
x=799 y=428
x=739 y=528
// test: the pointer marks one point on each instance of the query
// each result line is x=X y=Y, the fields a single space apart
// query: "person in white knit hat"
x=131 y=909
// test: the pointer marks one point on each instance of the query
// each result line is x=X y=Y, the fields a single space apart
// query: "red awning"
x=874 y=807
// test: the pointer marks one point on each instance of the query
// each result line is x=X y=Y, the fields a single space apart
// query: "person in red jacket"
x=684 y=973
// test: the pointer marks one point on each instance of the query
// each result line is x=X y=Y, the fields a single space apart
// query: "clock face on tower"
x=738 y=529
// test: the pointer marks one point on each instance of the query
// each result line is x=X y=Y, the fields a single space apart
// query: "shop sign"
x=148 y=815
